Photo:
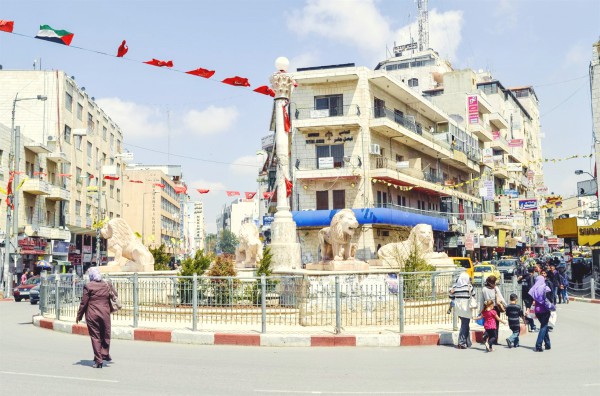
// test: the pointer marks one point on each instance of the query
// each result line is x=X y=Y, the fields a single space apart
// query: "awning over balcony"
x=322 y=218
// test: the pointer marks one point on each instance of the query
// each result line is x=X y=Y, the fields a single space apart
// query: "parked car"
x=70 y=289
x=22 y=291
x=507 y=267
x=482 y=271
x=34 y=294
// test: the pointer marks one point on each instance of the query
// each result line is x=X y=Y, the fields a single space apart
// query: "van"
x=464 y=262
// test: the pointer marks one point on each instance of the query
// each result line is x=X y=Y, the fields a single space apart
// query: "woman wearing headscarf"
x=462 y=291
x=542 y=311
x=489 y=292
x=96 y=307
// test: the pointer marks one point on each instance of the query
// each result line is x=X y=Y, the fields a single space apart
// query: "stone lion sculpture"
x=335 y=241
x=130 y=254
x=249 y=251
x=421 y=238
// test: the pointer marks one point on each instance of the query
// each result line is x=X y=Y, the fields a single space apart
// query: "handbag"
x=113 y=300
x=552 y=320
x=499 y=302
x=480 y=321
x=472 y=301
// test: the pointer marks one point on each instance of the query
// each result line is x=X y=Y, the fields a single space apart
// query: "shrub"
x=161 y=258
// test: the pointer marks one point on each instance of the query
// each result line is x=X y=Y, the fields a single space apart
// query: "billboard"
x=587 y=187
x=528 y=204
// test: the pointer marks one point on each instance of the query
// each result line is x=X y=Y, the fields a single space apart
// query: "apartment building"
x=236 y=213
x=154 y=197
x=66 y=139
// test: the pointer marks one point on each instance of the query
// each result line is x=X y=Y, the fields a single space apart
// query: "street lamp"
x=581 y=172
x=13 y=163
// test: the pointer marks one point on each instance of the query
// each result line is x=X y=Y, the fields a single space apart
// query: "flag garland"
x=159 y=63
x=122 y=50
x=237 y=81
x=201 y=191
x=200 y=72
x=6 y=26
x=249 y=195
x=232 y=193
x=54 y=35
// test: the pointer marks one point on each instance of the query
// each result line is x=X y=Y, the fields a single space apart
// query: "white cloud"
x=248 y=165
x=576 y=56
x=505 y=15
x=136 y=121
x=210 y=120
x=305 y=59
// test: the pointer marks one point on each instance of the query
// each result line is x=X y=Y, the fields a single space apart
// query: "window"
x=379 y=107
x=90 y=150
x=104 y=133
x=401 y=201
x=78 y=175
x=339 y=199
x=78 y=208
x=30 y=215
x=413 y=82
x=399 y=158
x=68 y=101
x=90 y=123
x=118 y=195
x=88 y=182
x=336 y=151
x=88 y=210
x=323 y=200
x=67 y=134
x=112 y=143
x=398 y=116
x=382 y=199
x=77 y=140
x=79 y=111
x=333 y=103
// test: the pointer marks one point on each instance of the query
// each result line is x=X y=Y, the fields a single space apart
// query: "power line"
x=564 y=101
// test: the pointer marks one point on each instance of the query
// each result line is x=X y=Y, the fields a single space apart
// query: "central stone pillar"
x=284 y=245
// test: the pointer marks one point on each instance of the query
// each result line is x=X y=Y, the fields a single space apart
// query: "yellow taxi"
x=482 y=271
x=464 y=262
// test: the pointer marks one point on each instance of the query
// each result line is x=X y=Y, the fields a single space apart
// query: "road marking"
x=433 y=392
x=58 y=376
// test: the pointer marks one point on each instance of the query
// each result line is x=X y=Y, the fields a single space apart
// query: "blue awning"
x=386 y=216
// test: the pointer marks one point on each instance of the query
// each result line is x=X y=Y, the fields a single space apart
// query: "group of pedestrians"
x=537 y=299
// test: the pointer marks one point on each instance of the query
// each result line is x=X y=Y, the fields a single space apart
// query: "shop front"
x=32 y=250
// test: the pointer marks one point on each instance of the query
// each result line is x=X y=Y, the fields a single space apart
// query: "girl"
x=490 y=318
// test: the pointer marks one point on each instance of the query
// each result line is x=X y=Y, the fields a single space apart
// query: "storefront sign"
x=527 y=204
x=60 y=247
x=515 y=143
x=503 y=219
x=514 y=167
x=488 y=156
x=33 y=246
x=512 y=193
x=326 y=163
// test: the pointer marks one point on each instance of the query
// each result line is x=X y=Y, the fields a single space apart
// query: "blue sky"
x=213 y=130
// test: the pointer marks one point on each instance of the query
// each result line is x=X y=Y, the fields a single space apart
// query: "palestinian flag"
x=56 y=36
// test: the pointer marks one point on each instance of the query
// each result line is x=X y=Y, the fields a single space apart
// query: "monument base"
x=338 y=265
x=128 y=266
x=286 y=251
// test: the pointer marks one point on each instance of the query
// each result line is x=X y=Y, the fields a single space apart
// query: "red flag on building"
x=159 y=63
x=250 y=195
x=107 y=177
x=159 y=185
x=201 y=191
x=123 y=48
x=232 y=193
x=265 y=90
x=180 y=189
x=268 y=194
x=9 y=192
x=237 y=81
x=288 y=187
x=200 y=72
x=64 y=175
x=6 y=26
x=287 y=125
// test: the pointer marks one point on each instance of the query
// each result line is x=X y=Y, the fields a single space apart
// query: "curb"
x=269 y=340
x=585 y=300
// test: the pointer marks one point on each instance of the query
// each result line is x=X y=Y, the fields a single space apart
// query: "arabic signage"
x=60 y=247
x=515 y=143
x=488 y=156
x=473 y=109
x=326 y=163
x=503 y=219
x=32 y=245
x=514 y=167
x=528 y=204
x=511 y=193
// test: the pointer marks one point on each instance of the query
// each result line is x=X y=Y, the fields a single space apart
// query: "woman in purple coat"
x=542 y=310
x=96 y=307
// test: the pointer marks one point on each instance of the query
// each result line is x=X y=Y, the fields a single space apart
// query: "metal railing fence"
x=332 y=300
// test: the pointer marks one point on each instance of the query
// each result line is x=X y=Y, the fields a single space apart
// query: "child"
x=514 y=312
x=490 y=317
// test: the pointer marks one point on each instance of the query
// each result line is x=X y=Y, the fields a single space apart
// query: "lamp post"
x=12 y=168
x=581 y=172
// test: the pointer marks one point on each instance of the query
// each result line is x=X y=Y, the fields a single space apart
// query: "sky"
x=213 y=130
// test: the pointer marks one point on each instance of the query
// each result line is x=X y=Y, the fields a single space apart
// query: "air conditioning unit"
x=51 y=138
x=453 y=220
x=375 y=149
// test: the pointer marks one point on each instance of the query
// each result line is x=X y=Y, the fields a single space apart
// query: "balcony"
x=499 y=143
x=499 y=170
x=36 y=187
x=312 y=119
x=497 y=120
x=36 y=147
x=328 y=167
x=45 y=232
x=57 y=156
x=58 y=193
x=481 y=132
x=57 y=233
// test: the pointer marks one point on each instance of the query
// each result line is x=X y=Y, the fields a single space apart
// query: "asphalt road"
x=36 y=361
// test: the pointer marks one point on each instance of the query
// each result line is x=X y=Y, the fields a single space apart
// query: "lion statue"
x=249 y=251
x=335 y=241
x=420 y=238
x=130 y=254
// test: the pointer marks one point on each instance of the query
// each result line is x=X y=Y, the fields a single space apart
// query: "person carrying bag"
x=491 y=292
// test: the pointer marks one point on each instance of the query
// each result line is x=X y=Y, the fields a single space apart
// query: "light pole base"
x=284 y=248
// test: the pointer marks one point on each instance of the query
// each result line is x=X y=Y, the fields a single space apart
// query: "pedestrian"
x=493 y=293
x=514 y=313
x=563 y=286
x=542 y=311
x=490 y=320
x=526 y=282
x=462 y=291
x=24 y=277
x=96 y=307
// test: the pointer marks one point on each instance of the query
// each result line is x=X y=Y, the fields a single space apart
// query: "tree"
x=228 y=242
x=197 y=264
x=161 y=258
x=264 y=265
x=211 y=243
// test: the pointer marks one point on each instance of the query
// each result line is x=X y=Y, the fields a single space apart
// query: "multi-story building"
x=66 y=139
x=236 y=213
x=196 y=229
x=154 y=196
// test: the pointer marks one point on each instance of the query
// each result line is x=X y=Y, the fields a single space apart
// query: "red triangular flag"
x=6 y=26
x=107 y=177
x=288 y=187
x=180 y=189
x=265 y=90
x=123 y=48
x=286 y=118
x=200 y=72
x=237 y=81
x=250 y=195
x=232 y=193
x=159 y=63
x=159 y=185
x=201 y=191
x=268 y=194
x=92 y=176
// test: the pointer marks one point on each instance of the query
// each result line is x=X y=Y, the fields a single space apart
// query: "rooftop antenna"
x=423 y=25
